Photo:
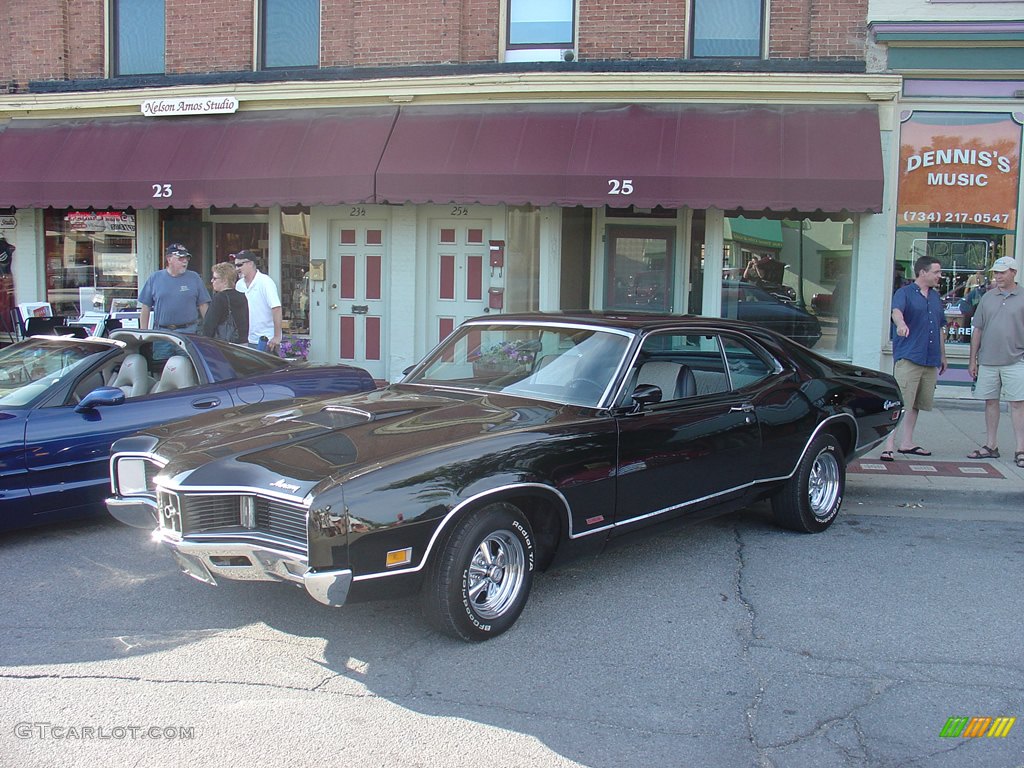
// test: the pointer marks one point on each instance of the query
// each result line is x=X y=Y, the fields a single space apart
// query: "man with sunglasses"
x=175 y=297
x=264 y=302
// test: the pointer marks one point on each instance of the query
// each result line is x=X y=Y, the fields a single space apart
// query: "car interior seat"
x=133 y=376
x=178 y=373
x=676 y=381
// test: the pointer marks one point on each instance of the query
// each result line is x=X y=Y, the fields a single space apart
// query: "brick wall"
x=37 y=40
x=85 y=39
x=60 y=39
x=838 y=28
x=405 y=32
x=480 y=19
x=818 y=29
x=621 y=29
x=208 y=35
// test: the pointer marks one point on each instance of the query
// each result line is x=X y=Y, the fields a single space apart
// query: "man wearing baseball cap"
x=175 y=296
x=997 y=357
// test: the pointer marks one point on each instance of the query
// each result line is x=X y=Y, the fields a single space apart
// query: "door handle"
x=211 y=402
x=334 y=306
x=745 y=408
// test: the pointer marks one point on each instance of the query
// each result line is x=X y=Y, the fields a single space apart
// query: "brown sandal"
x=984 y=453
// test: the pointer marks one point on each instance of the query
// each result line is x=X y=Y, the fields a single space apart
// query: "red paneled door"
x=356 y=291
x=460 y=274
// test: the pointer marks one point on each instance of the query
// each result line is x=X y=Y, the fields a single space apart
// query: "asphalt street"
x=727 y=643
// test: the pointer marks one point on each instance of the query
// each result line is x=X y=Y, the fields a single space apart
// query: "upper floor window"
x=138 y=37
x=540 y=30
x=727 y=28
x=290 y=33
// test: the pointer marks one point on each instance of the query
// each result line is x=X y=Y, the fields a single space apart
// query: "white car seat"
x=178 y=374
x=676 y=381
x=133 y=377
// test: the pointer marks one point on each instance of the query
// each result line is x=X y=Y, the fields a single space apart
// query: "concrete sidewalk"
x=946 y=483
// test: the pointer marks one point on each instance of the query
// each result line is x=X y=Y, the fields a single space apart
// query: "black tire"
x=811 y=498
x=478 y=582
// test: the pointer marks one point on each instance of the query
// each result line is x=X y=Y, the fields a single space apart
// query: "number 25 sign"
x=620 y=186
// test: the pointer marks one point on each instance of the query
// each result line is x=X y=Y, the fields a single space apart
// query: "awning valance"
x=753 y=158
x=807 y=158
x=300 y=157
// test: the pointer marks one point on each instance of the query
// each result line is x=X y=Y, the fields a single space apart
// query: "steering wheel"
x=583 y=389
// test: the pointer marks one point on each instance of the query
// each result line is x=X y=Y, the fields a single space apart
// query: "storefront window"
x=295 y=269
x=957 y=201
x=522 y=260
x=91 y=260
x=792 y=276
x=965 y=260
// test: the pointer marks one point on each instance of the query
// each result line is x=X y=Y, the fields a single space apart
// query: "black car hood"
x=307 y=441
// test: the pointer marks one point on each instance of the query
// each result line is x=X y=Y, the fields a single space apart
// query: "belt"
x=176 y=327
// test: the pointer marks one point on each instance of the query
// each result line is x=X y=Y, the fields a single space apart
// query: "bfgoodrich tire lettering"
x=811 y=498
x=479 y=581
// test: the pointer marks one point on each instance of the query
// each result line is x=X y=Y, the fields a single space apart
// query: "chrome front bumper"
x=138 y=513
x=208 y=561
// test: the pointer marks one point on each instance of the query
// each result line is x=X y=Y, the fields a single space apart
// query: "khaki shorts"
x=1005 y=382
x=917 y=382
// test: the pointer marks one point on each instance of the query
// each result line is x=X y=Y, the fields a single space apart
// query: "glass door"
x=639 y=268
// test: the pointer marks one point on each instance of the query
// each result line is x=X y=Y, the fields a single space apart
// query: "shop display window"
x=965 y=258
x=295 y=269
x=91 y=260
x=791 y=275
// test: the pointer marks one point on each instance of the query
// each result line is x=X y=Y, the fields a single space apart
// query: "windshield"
x=32 y=367
x=565 y=365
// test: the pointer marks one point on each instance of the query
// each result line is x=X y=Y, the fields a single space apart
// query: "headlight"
x=131 y=476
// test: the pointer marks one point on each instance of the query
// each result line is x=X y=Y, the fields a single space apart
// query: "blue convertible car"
x=63 y=401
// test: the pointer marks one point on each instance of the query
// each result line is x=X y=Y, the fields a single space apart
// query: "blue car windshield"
x=562 y=364
x=32 y=367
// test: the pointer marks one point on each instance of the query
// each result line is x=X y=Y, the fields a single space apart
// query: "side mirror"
x=100 y=396
x=644 y=395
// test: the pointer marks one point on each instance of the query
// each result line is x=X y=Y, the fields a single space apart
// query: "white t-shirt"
x=262 y=296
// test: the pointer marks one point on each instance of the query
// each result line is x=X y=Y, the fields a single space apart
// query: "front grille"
x=168 y=507
x=210 y=513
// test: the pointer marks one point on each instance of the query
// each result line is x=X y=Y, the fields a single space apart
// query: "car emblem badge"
x=284 y=486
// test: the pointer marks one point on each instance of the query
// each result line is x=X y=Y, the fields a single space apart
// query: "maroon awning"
x=779 y=157
x=306 y=157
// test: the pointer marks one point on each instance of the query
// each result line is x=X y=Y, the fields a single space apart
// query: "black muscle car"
x=519 y=441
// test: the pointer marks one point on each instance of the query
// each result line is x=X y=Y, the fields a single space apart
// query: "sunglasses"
x=242 y=263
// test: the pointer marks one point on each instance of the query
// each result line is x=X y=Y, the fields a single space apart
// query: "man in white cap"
x=997 y=357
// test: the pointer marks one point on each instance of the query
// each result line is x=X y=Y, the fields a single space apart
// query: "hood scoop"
x=340 y=416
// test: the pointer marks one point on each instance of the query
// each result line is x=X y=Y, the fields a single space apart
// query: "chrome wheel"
x=824 y=485
x=496 y=574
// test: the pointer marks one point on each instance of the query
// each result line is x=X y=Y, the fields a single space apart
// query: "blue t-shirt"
x=174 y=300
x=926 y=317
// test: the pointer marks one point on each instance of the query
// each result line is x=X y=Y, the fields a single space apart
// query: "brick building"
x=402 y=171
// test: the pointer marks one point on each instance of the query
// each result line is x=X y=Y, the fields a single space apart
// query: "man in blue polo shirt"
x=175 y=296
x=918 y=350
